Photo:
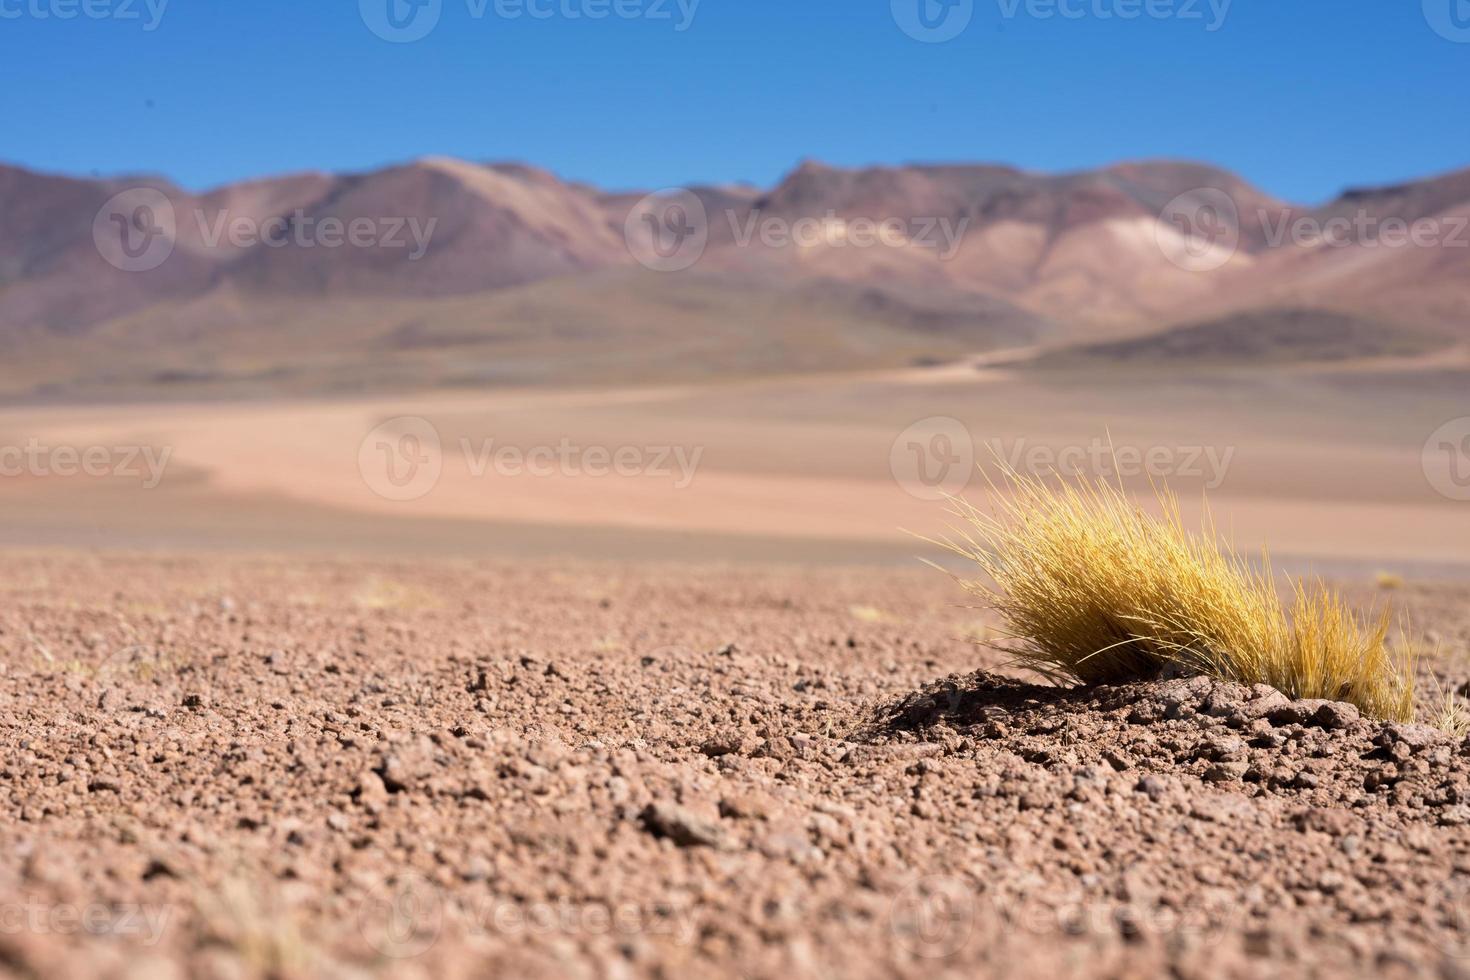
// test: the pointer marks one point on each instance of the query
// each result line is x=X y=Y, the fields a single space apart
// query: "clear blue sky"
x=1300 y=96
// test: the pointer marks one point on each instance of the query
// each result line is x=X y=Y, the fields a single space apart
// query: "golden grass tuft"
x=1092 y=589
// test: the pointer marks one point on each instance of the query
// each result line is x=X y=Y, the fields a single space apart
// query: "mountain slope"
x=386 y=271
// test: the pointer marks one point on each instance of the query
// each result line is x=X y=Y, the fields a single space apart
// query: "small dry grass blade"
x=1094 y=590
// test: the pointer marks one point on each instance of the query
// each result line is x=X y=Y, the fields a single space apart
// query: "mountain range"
x=443 y=272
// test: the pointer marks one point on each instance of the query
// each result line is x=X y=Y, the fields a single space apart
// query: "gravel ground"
x=228 y=768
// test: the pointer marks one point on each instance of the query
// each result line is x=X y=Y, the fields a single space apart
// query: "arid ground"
x=1334 y=467
x=226 y=767
x=648 y=681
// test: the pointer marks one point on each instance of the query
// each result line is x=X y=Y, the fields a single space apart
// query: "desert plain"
x=310 y=700
x=528 y=612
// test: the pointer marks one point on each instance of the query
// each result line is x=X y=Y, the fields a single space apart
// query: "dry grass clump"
x=1095 y=590
x=1448 y=712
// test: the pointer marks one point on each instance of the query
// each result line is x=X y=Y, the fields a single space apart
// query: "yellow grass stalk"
x=1092 y=589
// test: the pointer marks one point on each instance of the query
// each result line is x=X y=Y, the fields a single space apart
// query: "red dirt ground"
x=228 y=768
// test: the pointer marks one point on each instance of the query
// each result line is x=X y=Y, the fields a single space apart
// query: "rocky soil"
x=234 y=768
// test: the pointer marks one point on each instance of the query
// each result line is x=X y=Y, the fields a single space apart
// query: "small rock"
x=475 y=869
x=750 y=805
x=371 y=792
x=1153 y=786
x=1335 y=715
x=1225 y=698
x=1291 y=713
x=1226 y=771
x=1333 y=821
x=1223 y=748
x=726 y=743
x=1454 y=816
x=682 y=827
x=1415 y=737
x=1221 y=808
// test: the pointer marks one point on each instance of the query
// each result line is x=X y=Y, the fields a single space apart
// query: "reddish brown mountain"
x=394 y=276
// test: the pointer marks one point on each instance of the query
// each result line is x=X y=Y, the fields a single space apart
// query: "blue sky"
x=1302 y=97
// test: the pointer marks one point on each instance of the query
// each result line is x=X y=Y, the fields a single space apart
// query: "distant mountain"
x=446 y=271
